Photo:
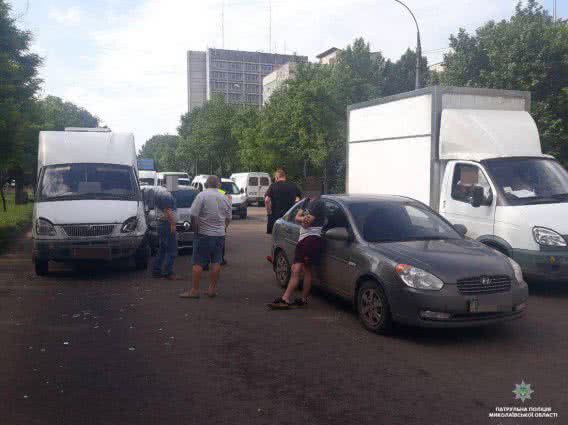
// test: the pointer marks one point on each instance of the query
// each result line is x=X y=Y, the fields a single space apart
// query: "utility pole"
x=223 y=24
x=269 y=26
x=418 y=46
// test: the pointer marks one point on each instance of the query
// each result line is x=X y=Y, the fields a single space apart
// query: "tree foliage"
x=527 y=52
x=162 y=148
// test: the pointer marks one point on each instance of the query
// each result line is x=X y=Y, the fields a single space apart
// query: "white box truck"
x=473 y=155
x=88 y=204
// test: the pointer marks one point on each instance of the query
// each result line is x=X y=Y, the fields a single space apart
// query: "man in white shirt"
x=211 y=213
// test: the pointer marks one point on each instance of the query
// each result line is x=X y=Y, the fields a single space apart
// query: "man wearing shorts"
x=311 y=216
x=211 y=213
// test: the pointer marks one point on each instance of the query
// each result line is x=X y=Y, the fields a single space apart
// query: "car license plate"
x=474 y=306
x=92 y=253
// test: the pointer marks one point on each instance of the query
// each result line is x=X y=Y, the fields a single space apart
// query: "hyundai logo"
x=186 y=225
x=485 y=280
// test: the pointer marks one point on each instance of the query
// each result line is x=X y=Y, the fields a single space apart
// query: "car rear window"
x=253 y=181
x=264 y=181
x=184 y=198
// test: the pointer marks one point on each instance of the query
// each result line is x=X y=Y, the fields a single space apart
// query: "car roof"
x=355 y=198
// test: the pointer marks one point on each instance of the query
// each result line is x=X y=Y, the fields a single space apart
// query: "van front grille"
x=484 y=285
x=87 y=230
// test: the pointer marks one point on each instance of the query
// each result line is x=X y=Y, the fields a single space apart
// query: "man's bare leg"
x=308 y=278
x=294 y=281
x=195 y=279
x=214 y=271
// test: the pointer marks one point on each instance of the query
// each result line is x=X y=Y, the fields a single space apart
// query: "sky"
x=125 y=60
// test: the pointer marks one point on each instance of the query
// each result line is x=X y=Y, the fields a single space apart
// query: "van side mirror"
x=461 y=229
x=338 y=234
x=242 y=191
x=477 y=196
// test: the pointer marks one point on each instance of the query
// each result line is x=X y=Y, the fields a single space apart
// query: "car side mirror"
x=242 y=191
x=477 y=196
x=338 y=234
x=461 y=229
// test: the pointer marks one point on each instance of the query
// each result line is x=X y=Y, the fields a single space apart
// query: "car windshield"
x=146 y=181
x=390 y=221
x=184 y=198
x=87 y=181
x=526 y=181
x=183 y=182
x=230 y=188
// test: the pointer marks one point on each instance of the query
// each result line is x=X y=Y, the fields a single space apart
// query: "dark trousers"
x=270 y=223
x=167 y=251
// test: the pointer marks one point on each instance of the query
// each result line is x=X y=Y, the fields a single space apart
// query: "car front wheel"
x=373 y=308
x=41 y=267
x=282 y=269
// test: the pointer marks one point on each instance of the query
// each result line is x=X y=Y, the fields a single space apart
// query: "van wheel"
x=373 y=308
x=282 y=269
x=41 y=267
x=142 y=255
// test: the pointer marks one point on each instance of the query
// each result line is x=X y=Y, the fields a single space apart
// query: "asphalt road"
x=109 y=345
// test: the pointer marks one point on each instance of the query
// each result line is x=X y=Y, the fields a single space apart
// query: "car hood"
x=450 y=260
x=552 y=216
x=87 y=211
x=238 y=199
x=183 y=214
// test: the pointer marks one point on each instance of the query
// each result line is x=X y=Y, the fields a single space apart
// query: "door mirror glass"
x=338 y=234
x=461 y=229
x=242 y=191
x=477 y=196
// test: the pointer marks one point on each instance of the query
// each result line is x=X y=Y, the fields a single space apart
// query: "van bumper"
x=551 y=266
x=78 y=250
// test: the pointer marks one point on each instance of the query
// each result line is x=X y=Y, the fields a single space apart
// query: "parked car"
x=399 y=261
x=88 y=204
x=474 y=155
x=184 y=197
x=255 y=185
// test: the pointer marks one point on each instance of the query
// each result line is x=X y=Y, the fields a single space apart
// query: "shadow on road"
x=549 y=289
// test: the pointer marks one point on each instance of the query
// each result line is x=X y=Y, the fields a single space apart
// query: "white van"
x=238 y=197
x=255 y=185
x=183 y=178
x=88 y=204
x=474 y=155
x=148 y=178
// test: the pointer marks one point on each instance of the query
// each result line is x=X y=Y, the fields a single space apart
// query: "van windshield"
x=527 y=181
x=87 y=181
x=146 y=181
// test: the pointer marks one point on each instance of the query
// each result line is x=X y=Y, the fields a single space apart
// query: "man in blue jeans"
x=211 y=213
x=165 y=205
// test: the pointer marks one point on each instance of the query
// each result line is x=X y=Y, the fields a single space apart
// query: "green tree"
x=162 y=148
x=18 y=86
x=527 y=52
x=400 y=76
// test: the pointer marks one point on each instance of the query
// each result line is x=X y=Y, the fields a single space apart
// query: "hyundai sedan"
x=399 y=261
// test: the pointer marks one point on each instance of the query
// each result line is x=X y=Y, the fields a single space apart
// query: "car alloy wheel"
x=373 y=307
x=282 y=269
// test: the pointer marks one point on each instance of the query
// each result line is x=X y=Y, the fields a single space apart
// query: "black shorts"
x=308 y=251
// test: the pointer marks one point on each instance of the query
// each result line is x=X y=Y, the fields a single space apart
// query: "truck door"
x=457 y=197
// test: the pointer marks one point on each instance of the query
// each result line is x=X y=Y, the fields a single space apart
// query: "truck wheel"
x=41 y=267
x=373 y=308
x=141 y=257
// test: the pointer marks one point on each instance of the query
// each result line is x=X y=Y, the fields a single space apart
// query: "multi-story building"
x=234 y=74
x=329 y=57
x=276 y=78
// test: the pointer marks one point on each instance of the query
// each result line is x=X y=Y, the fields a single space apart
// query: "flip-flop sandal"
x=212 y=295
x=279 y=304
x=299 y=302
x=188 y=295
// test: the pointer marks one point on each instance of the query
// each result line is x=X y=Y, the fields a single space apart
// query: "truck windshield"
x=146 y=181
x=230 y=188
x=382 y=221
x=87 y=181
x=527 y=181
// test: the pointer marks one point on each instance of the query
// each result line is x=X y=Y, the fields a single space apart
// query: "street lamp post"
x=418 y=46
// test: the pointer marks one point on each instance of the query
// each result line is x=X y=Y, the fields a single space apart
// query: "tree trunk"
x=2 y=194
x=21 y=197
x=324 y=183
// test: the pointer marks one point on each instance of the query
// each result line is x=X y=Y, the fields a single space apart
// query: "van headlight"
x=418 y=278
x=547 y=237
x=44 y=228
x=129 y=225
x=517 y=270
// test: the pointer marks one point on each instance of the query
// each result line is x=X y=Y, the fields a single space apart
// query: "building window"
x=235 y=66
x=235 y=77
x=252 y=77
x=235 y=98
x=252 y=67
x=253 y=88
x=253 y=99
x=266 y=68
x=219 y=65
x=219 y=75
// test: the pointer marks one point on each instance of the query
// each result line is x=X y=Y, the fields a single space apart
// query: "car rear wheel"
x=282 y=269
x=373 y=308
x=41 y=267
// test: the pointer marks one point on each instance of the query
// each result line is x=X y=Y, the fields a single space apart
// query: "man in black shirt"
x=280 y=197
